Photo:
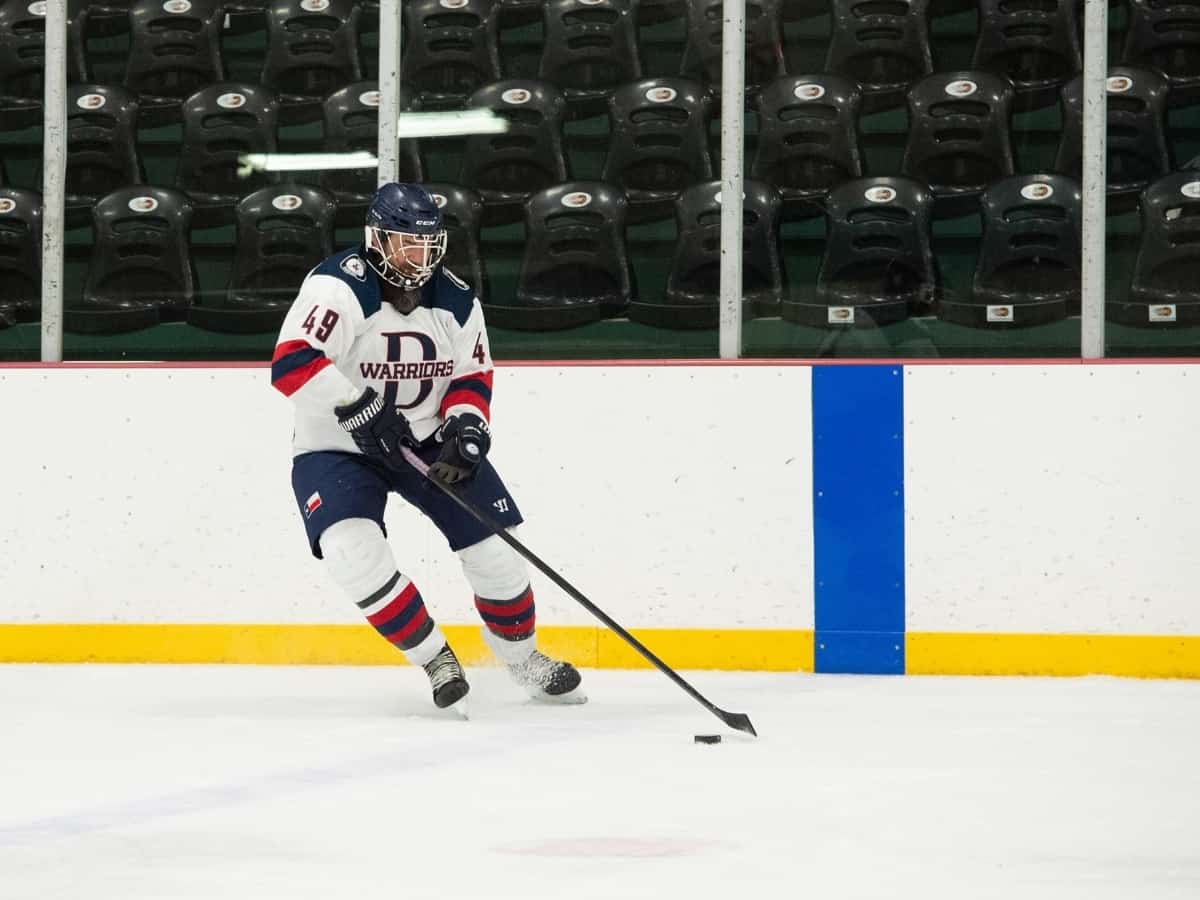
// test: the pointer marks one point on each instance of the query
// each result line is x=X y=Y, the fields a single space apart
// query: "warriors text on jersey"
x=340 y=337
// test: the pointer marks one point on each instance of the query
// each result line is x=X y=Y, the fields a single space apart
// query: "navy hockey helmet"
x=405 y=238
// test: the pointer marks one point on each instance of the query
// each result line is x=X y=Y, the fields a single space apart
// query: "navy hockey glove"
x=465 y=442
x=378 y=428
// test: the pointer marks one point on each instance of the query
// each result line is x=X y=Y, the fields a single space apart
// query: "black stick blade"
x=739 y=721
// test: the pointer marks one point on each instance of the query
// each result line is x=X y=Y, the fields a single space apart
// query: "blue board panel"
x=858 y=518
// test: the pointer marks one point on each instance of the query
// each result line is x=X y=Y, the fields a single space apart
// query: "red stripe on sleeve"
x=291 y=382
x=454 y=398
x=483 y=377
x=282 y=350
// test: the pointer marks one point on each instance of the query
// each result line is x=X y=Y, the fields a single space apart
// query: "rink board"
x=990 y=519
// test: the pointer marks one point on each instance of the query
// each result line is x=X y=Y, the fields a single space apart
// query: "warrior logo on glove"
x=465 y=442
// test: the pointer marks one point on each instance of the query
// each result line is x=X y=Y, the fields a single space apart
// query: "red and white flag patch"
x=312 y=504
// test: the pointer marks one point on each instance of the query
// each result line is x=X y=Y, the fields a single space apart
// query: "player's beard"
x=403 y=301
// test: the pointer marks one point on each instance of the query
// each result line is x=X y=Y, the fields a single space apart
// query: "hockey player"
x=385 y=347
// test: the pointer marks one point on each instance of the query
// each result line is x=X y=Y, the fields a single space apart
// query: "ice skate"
x=448 y=681
x=548 y=680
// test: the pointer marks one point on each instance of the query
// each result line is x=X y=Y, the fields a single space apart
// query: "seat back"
x=1163 y=35
x=1137 y=141
x=877 y=244
x=881 y=44
x=1030 y=252
x=1167 y=269
x=658 y=141
x=1035 y=45
x=764 y=41
x=808 y=135
x=101 y=142
x=507 y=168
x=462 y=212
x=140 y=255
x=312 y=49
x=450 y=49
x=22 y=63
x=351 y=124
x=959 y=135
x=174 y=48
x=283 y=232
x=79 y=14
x=219 y=124
x=695 y=275
x=590 y=48
x=20 y=252
x=575 y=253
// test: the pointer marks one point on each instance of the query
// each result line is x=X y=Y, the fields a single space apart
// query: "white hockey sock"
x=512 y=653
x=360 y=560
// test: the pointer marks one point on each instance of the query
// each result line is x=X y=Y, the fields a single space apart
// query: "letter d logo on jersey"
x=400 y=347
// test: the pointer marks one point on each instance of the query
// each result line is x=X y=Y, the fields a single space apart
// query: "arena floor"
x=244 y=783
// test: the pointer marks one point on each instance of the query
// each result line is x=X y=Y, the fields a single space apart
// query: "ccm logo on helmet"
x=426 y=221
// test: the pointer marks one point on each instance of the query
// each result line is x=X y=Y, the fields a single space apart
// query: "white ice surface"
x=242 y=783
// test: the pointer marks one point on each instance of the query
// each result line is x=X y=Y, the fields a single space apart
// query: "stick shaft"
x=417 y=463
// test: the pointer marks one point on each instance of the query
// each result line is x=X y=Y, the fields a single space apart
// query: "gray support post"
x=733 y=82
x=54 y=177
x=1095 y=175
x=389 y=91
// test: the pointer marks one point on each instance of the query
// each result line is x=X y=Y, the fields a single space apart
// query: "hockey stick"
x=738 y=721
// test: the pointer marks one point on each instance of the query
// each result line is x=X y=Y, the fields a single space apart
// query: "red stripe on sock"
x=514 y=608
x=411 y=628
x=394 y=608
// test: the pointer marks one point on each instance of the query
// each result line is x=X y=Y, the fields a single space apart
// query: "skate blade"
x=461 y=707
x=576 y=697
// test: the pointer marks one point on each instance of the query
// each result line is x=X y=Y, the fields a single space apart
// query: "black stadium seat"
x=312 y=51
x=1138 y=151
x=1165 y=288
x=507 y=168
x=352 y=124
x=808 y=138
x=102 y=150
x=575 y=268
x=590 y=47
x=1165 y=35
x=1028 y=271
x=20 y=256
x=658 y=143
x=283 y=232
x=881 y=44
x=692 y=297
x=878 y=266
x=22 y=52
x=174 y=51
x=220 y=123
x=959 y=138
x=140 y=272
x=450 y=50
x=1035 y=45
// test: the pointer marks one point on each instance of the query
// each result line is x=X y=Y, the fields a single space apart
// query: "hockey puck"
x=707 y=739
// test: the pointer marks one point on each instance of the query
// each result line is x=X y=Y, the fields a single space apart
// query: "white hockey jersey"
x=340 y=336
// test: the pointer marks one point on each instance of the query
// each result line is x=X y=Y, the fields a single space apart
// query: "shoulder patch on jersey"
x=351 y=269
x=449 y=292
x=353 y=265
